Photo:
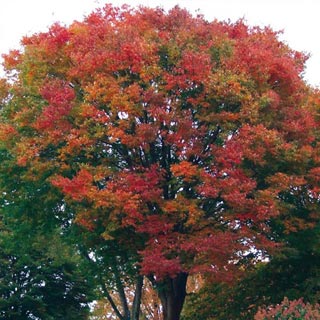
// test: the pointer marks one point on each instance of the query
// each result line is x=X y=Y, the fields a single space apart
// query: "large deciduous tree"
x=174 y=138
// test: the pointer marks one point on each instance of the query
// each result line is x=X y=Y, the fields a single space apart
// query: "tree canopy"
x=174 y=141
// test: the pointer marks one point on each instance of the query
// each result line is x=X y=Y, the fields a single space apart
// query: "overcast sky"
x=298 y=18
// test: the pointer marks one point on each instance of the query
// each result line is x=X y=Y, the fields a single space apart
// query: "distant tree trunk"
x=120 y=290
x=172 y=293
x=137 y=299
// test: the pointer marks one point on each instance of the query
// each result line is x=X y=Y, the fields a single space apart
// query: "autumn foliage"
x=178 y=138
x=295 y=309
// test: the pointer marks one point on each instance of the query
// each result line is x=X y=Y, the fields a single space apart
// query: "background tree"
x=150 y=305
x=117 y=281
x=172 y=138
x=41 y=275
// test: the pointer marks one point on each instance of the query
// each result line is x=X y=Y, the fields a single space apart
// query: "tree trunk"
x=135 y=313
x=172 y=293
x=121 y=292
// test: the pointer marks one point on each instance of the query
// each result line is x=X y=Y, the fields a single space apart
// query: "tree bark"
x=172 y=293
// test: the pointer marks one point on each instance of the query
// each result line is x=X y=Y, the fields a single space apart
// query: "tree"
x=35 y=286
x=171 y=137
x=41 y=276
x=150 y=305
x=117 y=280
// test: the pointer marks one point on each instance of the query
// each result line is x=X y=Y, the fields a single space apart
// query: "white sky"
x=298 y=18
